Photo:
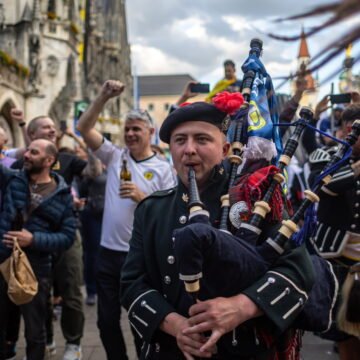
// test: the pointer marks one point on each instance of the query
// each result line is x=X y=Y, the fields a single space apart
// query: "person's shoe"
x=50 y=349
x=10 y=351
x=72 y=352
x=90 y=300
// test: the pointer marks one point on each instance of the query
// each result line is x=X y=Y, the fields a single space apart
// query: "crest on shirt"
x=148 y=175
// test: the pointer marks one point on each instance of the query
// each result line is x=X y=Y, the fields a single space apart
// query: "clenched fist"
x=112 y=88
x=17 y=115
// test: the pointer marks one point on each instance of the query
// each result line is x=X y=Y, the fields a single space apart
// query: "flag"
x=263 y=137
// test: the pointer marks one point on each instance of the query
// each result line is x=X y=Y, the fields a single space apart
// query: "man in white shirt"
x=149 y=173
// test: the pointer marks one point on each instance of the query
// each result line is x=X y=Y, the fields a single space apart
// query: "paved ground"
x=313 y=349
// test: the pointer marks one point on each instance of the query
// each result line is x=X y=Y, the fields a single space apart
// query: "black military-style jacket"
x=150 y=282
x=339 y=207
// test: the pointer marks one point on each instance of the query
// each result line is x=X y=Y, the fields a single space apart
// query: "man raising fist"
x=149 y=173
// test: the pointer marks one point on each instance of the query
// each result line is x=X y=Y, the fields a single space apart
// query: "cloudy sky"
x=196 y=36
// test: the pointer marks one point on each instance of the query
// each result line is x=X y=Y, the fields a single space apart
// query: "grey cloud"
x=218 y=27
x=150 y=23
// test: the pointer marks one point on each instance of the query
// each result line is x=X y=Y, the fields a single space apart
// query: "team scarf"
x=263 y=139
x=219 y=87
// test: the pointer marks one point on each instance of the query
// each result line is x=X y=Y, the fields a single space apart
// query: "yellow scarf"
x=219 y=87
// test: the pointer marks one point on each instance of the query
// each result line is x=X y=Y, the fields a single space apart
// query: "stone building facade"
x=42 y=68
x=107 y=56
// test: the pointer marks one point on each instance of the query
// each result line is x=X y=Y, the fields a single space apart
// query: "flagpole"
x=135 y=91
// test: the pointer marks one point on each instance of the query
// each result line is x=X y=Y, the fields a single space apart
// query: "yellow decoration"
x=8 y=61
x=74 y=28
x=82 y=13
x=255 y=117
x=81 y=52
x=219 y=87
x=51 y=15
x=348 y=51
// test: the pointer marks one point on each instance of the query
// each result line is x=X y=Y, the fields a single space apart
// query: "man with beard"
x=68 y=269
x=49 y=226
x=149 y=173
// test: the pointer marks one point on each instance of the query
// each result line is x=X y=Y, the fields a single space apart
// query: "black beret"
x=197 y=111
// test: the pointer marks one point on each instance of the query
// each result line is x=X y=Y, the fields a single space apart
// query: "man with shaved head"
x=68 y=269
x=45 y=203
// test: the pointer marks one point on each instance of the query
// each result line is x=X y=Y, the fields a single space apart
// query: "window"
x=166 y=106
x=150 y=107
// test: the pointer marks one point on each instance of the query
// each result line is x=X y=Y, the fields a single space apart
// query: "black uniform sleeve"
x=283 y=291
x=342 y=181
x=146 y=306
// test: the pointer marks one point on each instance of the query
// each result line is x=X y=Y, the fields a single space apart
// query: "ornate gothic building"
x=54 y=53
x=107 y=56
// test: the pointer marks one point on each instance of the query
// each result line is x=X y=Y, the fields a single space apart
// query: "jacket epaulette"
x=159 y=194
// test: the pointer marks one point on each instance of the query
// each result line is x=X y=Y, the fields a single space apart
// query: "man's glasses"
x=140 y=114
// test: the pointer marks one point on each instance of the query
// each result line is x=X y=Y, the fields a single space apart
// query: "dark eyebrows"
x=196 y=135
x=179 y=135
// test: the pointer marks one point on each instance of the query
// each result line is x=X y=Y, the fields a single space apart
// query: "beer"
x=125 y=174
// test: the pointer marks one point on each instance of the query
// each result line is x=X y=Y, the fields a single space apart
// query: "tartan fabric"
x=252 y=187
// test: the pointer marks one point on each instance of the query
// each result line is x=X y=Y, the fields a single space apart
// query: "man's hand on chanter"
x=220 y=315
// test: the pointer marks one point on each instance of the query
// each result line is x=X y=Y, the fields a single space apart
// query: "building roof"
x=163 y=84
x=303 y=51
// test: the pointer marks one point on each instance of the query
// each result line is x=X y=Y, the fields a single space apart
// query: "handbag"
x=20 y=277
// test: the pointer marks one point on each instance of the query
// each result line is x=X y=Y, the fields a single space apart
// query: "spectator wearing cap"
x=170 y=326
x=149 y=173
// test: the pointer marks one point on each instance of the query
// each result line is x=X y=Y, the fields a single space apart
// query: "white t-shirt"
x=149 y=175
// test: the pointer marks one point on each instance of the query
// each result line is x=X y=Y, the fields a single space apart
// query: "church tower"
x=310 y=95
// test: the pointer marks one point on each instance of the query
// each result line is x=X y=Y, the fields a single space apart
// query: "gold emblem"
x=221 y=170
x=56 y=166
x=185 y=198
x=148 y=175
x=255 y=119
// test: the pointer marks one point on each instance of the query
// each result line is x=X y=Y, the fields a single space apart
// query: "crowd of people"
x=82 y=224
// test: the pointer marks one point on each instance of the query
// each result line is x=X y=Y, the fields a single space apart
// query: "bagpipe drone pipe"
x=213 y=262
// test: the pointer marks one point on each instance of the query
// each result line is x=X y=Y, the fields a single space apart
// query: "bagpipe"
x=213 y=262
